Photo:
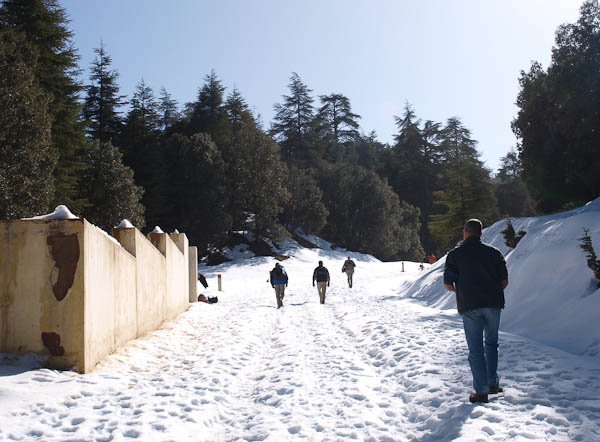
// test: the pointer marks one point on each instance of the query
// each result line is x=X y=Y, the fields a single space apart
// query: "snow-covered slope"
x=552 y=296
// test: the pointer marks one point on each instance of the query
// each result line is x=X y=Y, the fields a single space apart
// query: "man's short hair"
x=320 y=263
x=473 y=227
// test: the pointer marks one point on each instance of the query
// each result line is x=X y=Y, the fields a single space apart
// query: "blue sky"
x=445 y=57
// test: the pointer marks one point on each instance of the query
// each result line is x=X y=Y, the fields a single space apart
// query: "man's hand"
x=313 y=283
x=450 y=287
x=504 y=283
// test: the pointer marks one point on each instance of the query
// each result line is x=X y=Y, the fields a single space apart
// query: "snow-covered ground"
x=372 y=364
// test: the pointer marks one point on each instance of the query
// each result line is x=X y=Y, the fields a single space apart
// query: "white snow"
x=374 y=363
x=125 y=224
x=157 y=229
x=60 y=212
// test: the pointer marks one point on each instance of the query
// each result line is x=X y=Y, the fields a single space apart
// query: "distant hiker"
x=321 y=275
x=279 y=281
x=432 y=258
x=477 y=273
x=348 y=268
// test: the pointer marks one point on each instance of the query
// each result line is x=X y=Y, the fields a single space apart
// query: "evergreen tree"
x=558 y=123
x=456 y=143
x=141 y=148
x=337 y=125
x=367 y=216
x=237 y=150
x=102 y=101
x=367 y=152
x=140 y=134
x=511 y=238
x=167 y=108
x=266 y=185
x=44 y=25
x=511 y=192
x=414 y=167
x=195 y=189
x=294 y=125
x=109 y=187
x=209 y=115
x=305 y=209
x=592 y=260
x=468 y=194
x=255 y=175
x=27 y=159
x=237 y=110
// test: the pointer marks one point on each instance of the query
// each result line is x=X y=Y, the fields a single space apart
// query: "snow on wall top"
x=124 y=224
x=61 y=212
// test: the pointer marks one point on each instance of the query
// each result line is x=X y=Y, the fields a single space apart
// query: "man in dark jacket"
x=321 y=275
x=279 y=281
x=477 y=273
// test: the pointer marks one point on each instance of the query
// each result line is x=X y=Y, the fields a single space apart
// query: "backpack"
x=321 y=274
x=277 y=273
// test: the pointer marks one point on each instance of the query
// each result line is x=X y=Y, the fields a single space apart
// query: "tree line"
x=210 y=168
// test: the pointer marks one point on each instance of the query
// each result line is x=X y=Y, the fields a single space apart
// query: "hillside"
x=552 y=297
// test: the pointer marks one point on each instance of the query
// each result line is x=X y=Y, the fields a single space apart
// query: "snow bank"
x=552 y=296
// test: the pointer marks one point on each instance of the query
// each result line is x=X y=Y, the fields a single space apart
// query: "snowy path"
x=365 y=366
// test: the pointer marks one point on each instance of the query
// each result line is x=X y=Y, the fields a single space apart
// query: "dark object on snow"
x=261 y=248
x=304 y=242
x=202 y=280
x=209 y=300
x=216 y=258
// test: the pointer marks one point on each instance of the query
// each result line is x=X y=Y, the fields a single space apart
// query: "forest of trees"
x=209 y=168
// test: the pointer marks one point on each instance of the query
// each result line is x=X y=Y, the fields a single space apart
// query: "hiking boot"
x=474 y=398
x=494 y=389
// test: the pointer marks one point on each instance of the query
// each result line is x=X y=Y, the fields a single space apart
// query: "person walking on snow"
x=477 y=273
x=321 y=275
x=348 y=268
x=279 y=281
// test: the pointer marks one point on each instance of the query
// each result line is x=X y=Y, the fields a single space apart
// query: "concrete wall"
x=193 y=271
x=178 y=283
x=42 y=289
x=150 y=278
x=110 y=296
x=70 y=291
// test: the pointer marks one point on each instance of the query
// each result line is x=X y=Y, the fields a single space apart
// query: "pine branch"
x=592 y=260
x=511 y=239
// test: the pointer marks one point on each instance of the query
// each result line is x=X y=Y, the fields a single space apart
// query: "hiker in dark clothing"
x=279 y=281
x=477 y=273
x=348 y=268
x=321 y=275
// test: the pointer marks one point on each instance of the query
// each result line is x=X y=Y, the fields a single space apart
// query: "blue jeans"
x=481 y=330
